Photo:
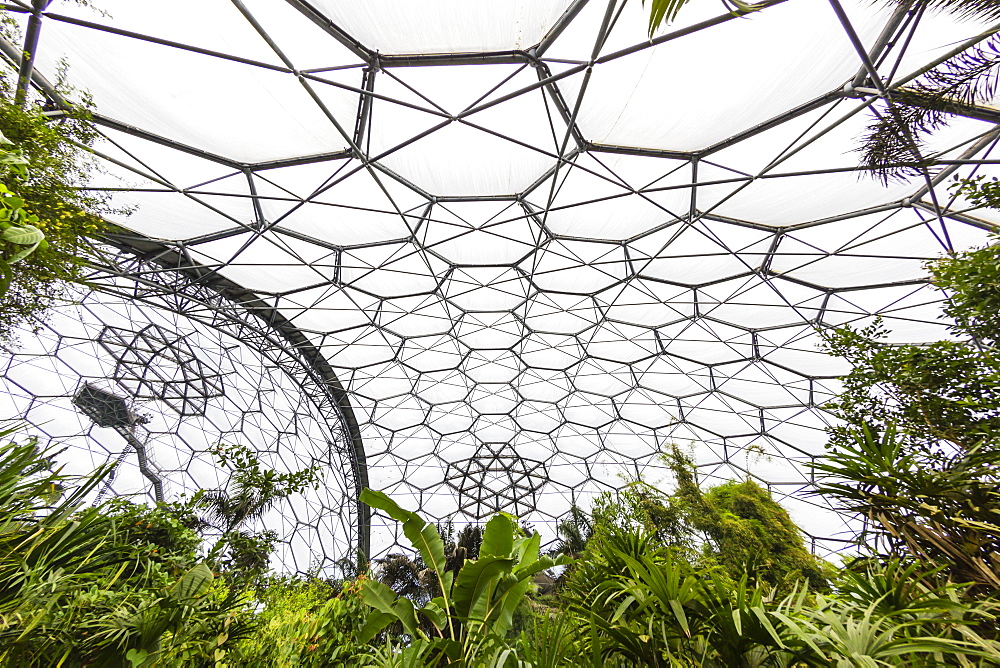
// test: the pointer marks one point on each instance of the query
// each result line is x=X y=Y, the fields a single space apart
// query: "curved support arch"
x=210 y=288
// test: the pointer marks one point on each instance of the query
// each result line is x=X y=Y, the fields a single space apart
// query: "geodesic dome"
x=531 y=244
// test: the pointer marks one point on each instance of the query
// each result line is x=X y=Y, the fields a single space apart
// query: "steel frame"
x=159 y=259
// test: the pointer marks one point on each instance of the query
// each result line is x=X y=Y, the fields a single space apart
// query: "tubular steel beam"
x=302 y=160
x=431 y=59
x=960 y=217
x=897 y=18
x=165 y=42
x=559 y=27
x=176 y=260
x=332 y=29
x=107 y=122
x=27 y=56
x=773 y=122
x=915 y=98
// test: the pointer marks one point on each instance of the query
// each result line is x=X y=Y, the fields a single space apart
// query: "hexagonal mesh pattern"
x=115 y=378
x=153 y=363
x=495 y=480
x=535 y=245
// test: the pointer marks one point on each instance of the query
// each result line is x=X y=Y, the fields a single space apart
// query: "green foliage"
x=747 y=531
x=638 y=603
x=894 y=145
x=973 y=279
x=252 y=488
x=554 y=640
x=944 y=510
x=78 y=586
x=736 y=525
x=250 y=491
x=574 y=531
x=308 y=623
x=946 y=392
x=937 y=631
x=644 y=604
x=666 y=11
x=162 y=537
x=918 y=453
x=469 y=622
x=44 y=214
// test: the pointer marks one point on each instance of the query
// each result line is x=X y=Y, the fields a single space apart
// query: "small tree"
x=250 y=492
x=918 y=453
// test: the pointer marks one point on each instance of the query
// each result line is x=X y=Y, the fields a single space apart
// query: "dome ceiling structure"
x=536 y=245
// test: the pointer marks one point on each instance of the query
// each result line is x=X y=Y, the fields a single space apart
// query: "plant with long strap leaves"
x=474 y=613
x=943 y=512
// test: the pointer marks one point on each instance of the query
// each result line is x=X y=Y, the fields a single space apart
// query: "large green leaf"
x=383 y=599
x=375 y=622
x=12 y=158
x=498 y=536
x=24 y=235
x=526 y=549
x=476 y=581
x=435 y=612
x=20 y=255
x=511 y=590
x=422 y=535
x=193 y=584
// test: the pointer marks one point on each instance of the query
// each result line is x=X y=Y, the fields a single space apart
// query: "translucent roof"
x=534 y=244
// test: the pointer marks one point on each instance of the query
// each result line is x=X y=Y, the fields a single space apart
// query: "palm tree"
x=250 y=492
x=574 y=531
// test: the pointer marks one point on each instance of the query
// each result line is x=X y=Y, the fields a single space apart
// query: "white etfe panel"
x=444 y=26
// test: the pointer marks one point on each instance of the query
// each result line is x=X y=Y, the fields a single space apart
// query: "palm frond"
x=963 y=9
x=663 y=11
x=893 y=145
x=970 y=77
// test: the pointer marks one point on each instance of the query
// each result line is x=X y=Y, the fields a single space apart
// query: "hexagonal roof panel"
x=534 y=243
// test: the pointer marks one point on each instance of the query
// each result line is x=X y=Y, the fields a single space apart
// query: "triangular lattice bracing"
x=532 y=245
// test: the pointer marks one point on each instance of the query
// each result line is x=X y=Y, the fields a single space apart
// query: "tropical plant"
x=410 y=577
x=307 y=622
x=573 y=532
x=645 y=604
x=45 y=214
x=224 y=514
x=918 y=452
x=836 y=632
x=76 y=588
x=555 y=640
x=943 y=509
x=468 y=622
x=894 y=144
x=666 y=11
x=17 y=226
x=736 y=525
